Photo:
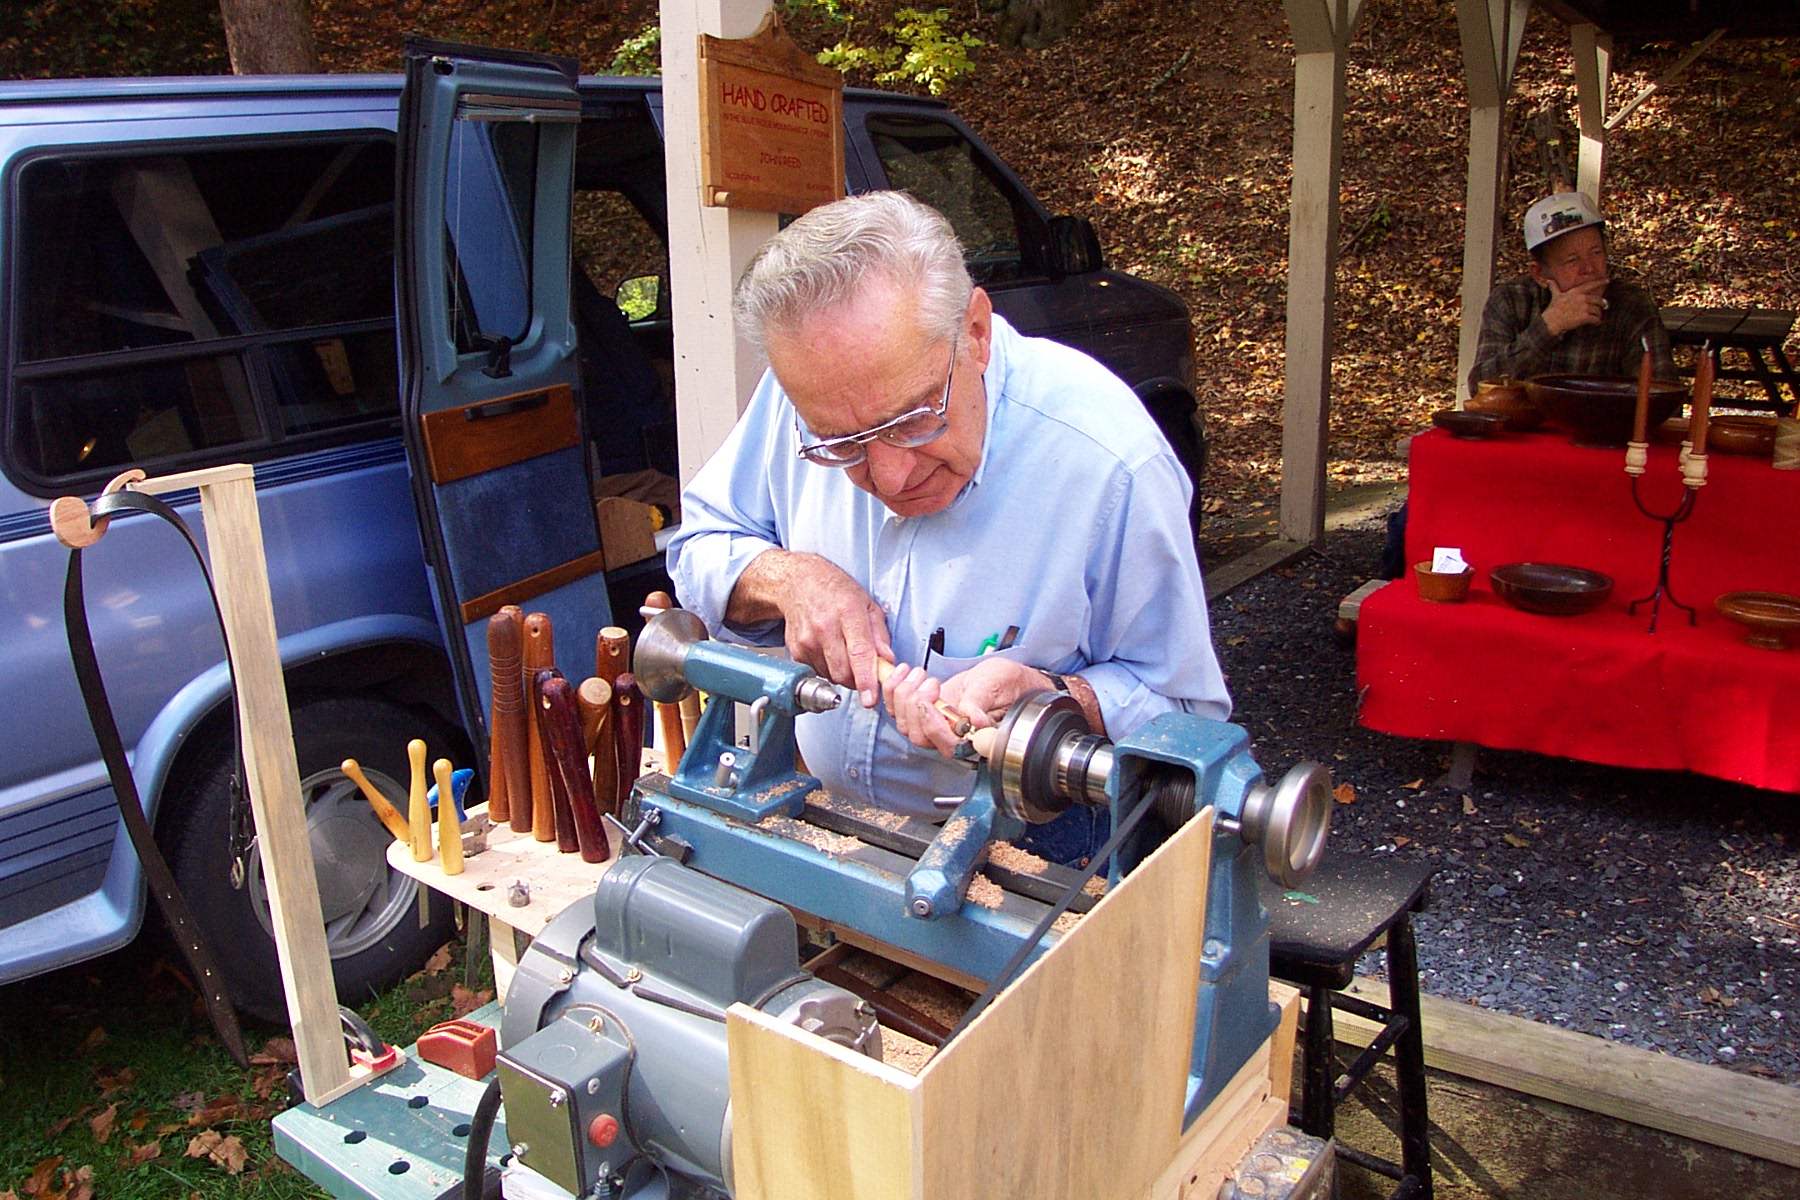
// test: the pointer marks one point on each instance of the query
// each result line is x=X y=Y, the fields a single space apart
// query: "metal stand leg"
x=1409 y=1054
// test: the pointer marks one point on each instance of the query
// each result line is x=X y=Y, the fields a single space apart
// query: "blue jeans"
x=1072 y=838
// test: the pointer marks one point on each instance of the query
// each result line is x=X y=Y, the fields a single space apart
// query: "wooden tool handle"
x=559 y=711
x=386 y=812
x=690 y=715
x=959 y=723
x=628 y=731
x=540 y=654
x=612 y=653
x=567 y=840
x=419 y=814
x=594 y=699
x=668 y=716
x=505 y=639
x=512 y=723
x=449 y=828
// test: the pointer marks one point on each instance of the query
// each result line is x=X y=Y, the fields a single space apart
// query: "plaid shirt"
x=1515 y=341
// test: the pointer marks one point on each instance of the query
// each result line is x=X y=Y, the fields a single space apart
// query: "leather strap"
x=112 y=749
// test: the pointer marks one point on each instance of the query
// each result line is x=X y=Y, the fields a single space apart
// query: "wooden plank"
x=1312 y=291
x=895 y=954
x=1350 y=607
x=272 y=776
x=1707 y=1104
x=1245 y=567
x=811 y=1120
x=1592 y=51
x=709 y=248
x=1481 y=224
x=162 y=485
x=1075 y=1059
x=1281 y=1048
x=486 y=605
x=1216 y=1143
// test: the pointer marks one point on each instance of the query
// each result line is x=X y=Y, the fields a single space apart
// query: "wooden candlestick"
x=562 y=722
x=506 y=715
x=668 y=716
x=1702 y=410
x=594 y=697
x=568 y=840
x=628 y=732
x=1640 y=426
x=449 y=828
x=384 y=811
x=540 y=654
x=612 y=654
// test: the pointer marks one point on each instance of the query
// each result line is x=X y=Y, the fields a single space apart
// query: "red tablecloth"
x=1597 y=686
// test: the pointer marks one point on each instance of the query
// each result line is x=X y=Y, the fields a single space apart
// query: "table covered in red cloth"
x=1595 y=687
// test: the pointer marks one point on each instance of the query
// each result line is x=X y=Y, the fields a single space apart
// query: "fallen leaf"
x=81 y=1185
x=1469 y=808
x=1344 y=793
x=102 y=1125
x=276 y=1050
x=139 y=1119
x=202 y=1143
x=96 y=1038
x=165 y=1130
x=111 y=1084
x=57 y=1128
x=137 y=1156
x=464 y=1001
x=1401 y=841
x=231 y=1155
x=219 y=1108
x=1414 y=786
x=39 y=1178
x=268 y=1079
x=439 y=961
x=1709 y=995
x=189 y=1102
x=1515 y=841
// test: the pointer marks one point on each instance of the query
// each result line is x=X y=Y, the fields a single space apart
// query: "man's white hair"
x=825 y=258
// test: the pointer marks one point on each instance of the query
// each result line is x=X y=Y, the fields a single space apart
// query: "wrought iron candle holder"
x=1693 y=475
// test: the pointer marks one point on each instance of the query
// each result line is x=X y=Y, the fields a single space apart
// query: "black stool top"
x=1360 y=897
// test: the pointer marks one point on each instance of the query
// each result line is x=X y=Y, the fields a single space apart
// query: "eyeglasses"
x=908 y=431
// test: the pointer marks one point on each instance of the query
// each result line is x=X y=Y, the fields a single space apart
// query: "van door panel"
x=488 y=351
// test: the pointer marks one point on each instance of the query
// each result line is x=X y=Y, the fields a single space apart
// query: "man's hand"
x=1582 y=305
x=983 y=693
x=833 y=625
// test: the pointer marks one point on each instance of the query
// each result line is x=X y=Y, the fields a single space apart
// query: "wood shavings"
x=985 y=892
x=1005 y=854
x=834 y=844
x=1064 y=923
x=1095 y=886
x=908 y=1054
x=943 y=1002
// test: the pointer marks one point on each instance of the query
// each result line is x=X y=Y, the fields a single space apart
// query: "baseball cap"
x=1556 y=215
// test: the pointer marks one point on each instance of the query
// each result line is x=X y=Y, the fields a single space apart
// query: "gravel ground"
x=1659 y=909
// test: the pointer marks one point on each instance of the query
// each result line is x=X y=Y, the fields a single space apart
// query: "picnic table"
x=1597 y=686
x=1755 y=332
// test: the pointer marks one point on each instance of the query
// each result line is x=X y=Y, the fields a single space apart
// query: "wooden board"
x=1218 y=1140
x=772 y=124
x=489 y=434
x=272 y=777
x=1659 y=1091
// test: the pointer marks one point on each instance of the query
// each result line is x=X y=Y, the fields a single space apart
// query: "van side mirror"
x=639 y=297
x=1074 y=247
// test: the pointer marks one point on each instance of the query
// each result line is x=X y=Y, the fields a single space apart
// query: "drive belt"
x=169 y=899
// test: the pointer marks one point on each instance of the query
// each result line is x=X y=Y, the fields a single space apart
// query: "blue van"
x=201 y=271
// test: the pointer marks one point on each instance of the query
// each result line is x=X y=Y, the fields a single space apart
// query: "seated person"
x=1568 y=315
x=911 y=465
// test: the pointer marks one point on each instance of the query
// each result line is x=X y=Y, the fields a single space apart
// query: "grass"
x=124 y=1035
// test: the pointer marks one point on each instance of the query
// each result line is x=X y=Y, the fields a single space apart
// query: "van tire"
x=371 y=910
x=1178 y=417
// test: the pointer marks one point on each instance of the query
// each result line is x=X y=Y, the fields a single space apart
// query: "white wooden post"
x=1321 y=30
x=709 y=248
x=1593 y=72
x=1491 y=33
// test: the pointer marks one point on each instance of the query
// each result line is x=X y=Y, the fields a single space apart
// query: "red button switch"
x=603 y=1129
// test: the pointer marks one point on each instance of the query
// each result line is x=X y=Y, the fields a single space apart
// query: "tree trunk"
x=269 y=37
x=1034 y=24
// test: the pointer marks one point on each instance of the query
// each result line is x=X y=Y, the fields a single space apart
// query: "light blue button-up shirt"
x=1073 y=528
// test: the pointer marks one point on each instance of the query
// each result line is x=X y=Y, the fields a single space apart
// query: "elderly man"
x=1568 y=315
x=915 y=482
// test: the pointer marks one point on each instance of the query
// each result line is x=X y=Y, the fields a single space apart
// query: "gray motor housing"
x=618 y=1011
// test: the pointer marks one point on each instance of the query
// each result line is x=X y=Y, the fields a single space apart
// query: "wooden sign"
x=771 y=124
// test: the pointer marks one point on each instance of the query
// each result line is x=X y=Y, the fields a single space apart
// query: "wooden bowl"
x=1770 y=616
x=1741 y=435
x=1443 y=587
x=1471 y=425
x=1598 y=409
x=1511 y=401
x=1550 y=588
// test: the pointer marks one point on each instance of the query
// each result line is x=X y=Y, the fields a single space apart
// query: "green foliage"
x=921 y=50
x=640 y=54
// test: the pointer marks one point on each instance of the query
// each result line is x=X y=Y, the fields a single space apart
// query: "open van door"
x=488 y=364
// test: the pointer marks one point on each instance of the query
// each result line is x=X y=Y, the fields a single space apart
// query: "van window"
x=178 y=303
x=932 y=160
x=490 y=193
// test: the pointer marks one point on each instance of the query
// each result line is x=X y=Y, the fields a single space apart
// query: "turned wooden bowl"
x=1550 y=588
x=1769 y=616
x=1598 y=409
x=1465 y=424
x=1741 y=435
x=1510 y=401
